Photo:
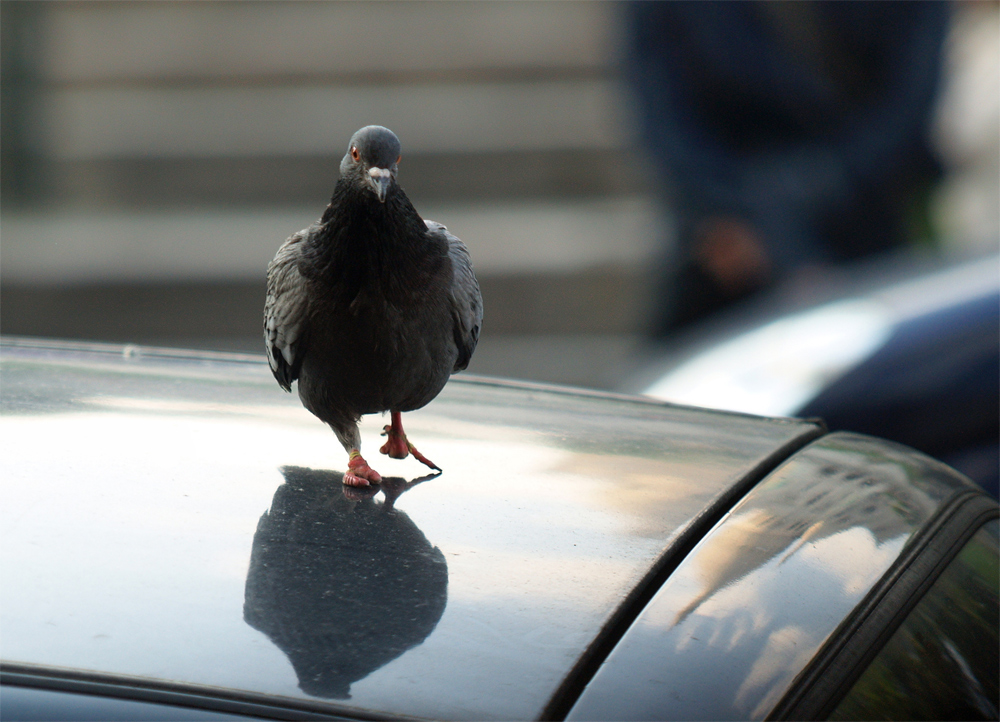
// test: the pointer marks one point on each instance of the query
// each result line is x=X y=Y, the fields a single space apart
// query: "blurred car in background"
x=176 y=546
x=915 y=360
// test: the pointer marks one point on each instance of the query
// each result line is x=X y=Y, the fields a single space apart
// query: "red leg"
x=358 y=471
x=397 y=446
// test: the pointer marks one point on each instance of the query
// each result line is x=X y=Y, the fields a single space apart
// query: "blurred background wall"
x=155 y=154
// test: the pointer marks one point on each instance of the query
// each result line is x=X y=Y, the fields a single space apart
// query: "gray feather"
x=285 y=310
x=466 y=299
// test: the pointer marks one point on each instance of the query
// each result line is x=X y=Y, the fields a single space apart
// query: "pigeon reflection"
x=341 y=584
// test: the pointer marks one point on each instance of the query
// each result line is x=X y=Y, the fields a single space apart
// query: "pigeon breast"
x=371 y=308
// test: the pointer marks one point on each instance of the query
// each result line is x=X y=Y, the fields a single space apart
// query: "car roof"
x=751 y=617
x=172 y=515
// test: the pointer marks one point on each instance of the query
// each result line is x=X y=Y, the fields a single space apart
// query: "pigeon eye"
x=398 y=158
x=355 y=154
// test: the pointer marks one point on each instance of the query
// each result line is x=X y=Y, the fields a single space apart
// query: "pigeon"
x=371 y=308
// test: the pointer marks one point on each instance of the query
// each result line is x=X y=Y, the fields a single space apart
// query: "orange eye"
x=355 y=154
x=398 y=158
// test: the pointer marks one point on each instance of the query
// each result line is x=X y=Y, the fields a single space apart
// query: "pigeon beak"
x=381 y=177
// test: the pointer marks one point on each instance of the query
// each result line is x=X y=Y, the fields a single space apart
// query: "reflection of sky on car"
x=840 y=567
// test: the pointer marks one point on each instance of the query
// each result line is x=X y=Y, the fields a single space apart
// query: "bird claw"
x=350 y=479
x=396 y=447
x=359 y=473
x=399 y=447
x=421 y=458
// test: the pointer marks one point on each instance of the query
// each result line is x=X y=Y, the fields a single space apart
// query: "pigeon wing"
x=285 y=311
x=466 y=300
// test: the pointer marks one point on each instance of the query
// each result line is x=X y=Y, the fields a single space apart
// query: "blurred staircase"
x=156 y=155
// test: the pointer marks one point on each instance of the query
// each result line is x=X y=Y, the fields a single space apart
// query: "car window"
x=942 y=661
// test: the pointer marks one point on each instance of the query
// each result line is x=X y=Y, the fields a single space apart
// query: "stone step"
x=155 y=183
x=603 y=301
x=70 y=246
x=180 y=42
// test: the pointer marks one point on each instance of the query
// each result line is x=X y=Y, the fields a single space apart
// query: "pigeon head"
x=371 y=160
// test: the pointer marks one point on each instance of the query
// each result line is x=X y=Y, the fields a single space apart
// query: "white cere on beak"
x=381 y=179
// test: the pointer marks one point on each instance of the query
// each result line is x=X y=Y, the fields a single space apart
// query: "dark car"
x=177 y=544
x=916 y=361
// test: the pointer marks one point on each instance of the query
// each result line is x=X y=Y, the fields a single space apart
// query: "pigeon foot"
x=358 y=471
x=397 y=446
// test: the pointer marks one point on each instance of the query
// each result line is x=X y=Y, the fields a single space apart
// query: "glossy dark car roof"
x=176 y=516
x=778 y=578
